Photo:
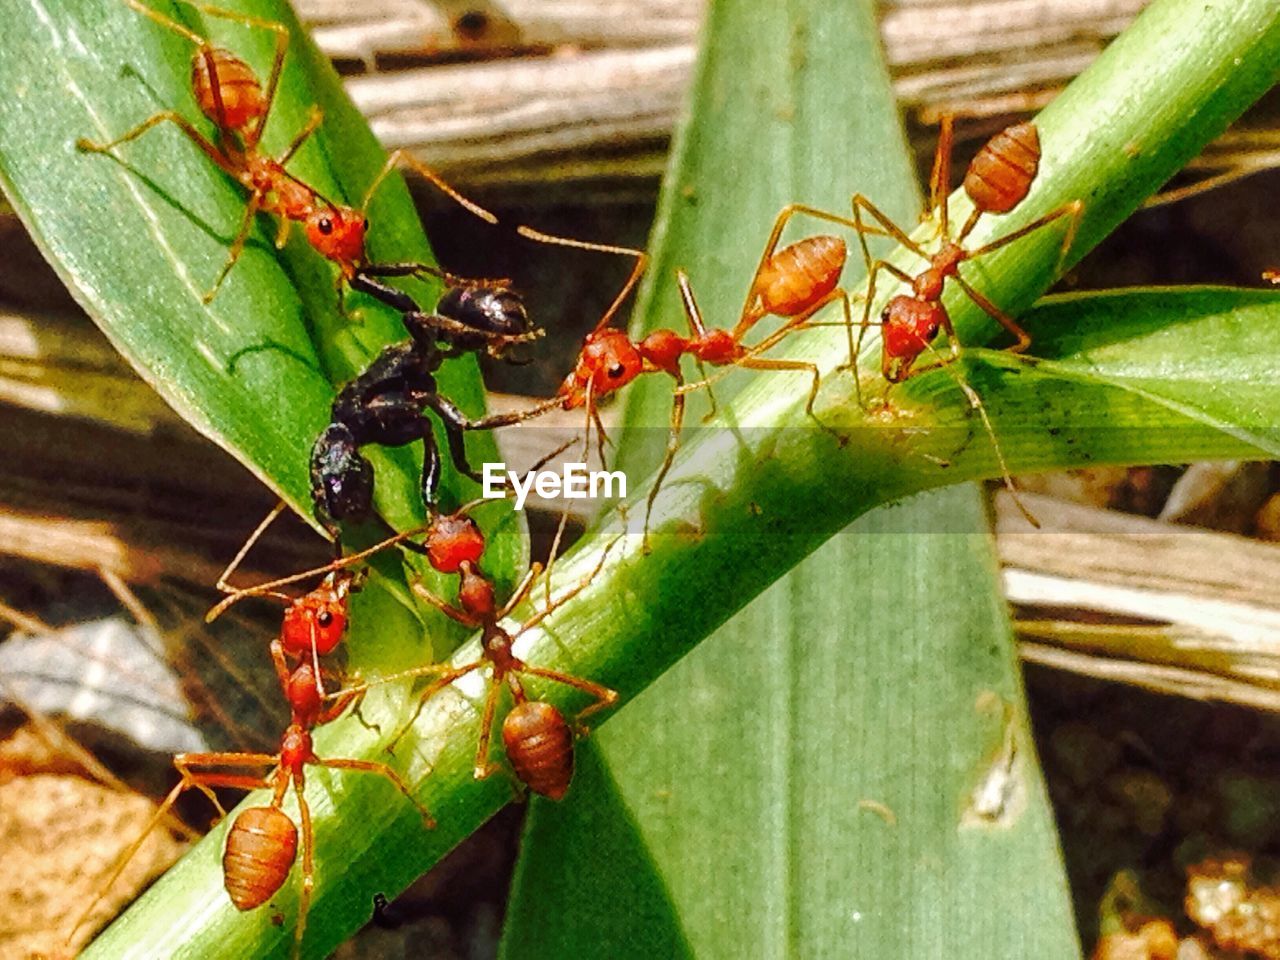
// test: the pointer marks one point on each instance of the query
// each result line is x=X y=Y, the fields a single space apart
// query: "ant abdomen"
x=241 y=94
x=540 y=747
x=801 y=274
x=1001 y=173
x=261 y=846
x=490 y=310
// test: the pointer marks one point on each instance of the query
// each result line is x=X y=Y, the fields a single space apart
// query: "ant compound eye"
x=324 y=618
x=616 y=371
x=325 y=225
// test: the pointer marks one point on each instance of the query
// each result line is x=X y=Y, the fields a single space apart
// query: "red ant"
x=998 y=179
x=793 y=283
x=537 y=737
x=230 y=95
x=262 y=842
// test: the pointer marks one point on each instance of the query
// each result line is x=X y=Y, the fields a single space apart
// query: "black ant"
x=386 y=404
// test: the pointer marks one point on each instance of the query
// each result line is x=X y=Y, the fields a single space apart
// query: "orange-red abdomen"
x=452 y=541
x=261 y=847
x=540 y=747
x=800 y=275
x=241 y=94
x=1001 y=173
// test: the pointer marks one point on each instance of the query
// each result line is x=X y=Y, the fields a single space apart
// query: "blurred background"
x=1153 y=651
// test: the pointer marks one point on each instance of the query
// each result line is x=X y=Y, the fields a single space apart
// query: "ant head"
x=337 y=233
x=608 y=362
x=909 y=325
x=454 y=540
x=319 y=617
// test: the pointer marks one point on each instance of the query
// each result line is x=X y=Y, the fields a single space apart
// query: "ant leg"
x=1006 y=321
x=382 y=770
x=1074 y=210
x=308 y=865
x=446 y=677
x=673 y=444
x=456 y=423
x=207 y=146
x=940 y=177
x=237 y=245
x=976 y=404
x=460 y=616
x=602 y=437
x=431 y=467
x=526 y=582
x=268 y=589
x=483 y=765
x=767 y=363
x=409 y=269
x=394 y=160
x=569 y=594
x=314 y=119
x=126 y=856
x=604 y=696
x=637 y=271
x=189 y=779
x=861 y=203
x=222 y=584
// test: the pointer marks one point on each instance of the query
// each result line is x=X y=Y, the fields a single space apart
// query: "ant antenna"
x=641 y=262
x=269 y=588
x=393 y=162
x=222 y=585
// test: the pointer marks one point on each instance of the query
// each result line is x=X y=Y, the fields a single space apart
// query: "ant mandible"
x=231 y=96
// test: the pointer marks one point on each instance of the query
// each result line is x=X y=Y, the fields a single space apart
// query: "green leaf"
x=723 y=808
x=809 y=782
x=139 y=239
x=1127 y=376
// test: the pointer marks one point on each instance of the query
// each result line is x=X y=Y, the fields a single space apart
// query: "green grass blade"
x=803 y=784
x=719 y=816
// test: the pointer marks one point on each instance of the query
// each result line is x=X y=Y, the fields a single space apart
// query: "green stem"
x=739 y=508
